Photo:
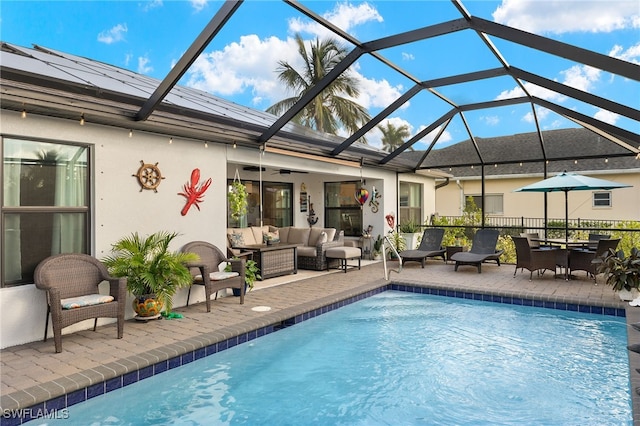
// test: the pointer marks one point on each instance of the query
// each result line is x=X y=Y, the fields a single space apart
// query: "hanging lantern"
x=362 y=195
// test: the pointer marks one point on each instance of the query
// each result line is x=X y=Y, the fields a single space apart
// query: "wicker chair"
x=71 y=282
x=594 y=238
x=206 y=271
x=588 y=260
x=533 y=259
x=430 y=246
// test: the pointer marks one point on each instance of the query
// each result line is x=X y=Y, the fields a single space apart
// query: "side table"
x=454 y=249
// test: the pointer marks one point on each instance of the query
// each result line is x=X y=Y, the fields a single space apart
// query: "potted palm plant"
x=622 y=272
x=154 y=273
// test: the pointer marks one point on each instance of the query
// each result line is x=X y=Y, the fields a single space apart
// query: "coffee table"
x=274 y=260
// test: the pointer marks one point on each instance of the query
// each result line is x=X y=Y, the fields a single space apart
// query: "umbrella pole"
x=566 y=216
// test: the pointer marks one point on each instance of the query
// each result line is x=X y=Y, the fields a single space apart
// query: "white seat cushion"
x=218 y=276
x=87 y=300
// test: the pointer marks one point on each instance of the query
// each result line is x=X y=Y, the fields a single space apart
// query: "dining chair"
x=532 y=258
x=587 y=260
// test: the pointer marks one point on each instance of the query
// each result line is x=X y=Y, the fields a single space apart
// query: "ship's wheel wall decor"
x=149 y=176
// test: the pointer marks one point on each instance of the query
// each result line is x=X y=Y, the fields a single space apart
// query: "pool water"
x=396 y=358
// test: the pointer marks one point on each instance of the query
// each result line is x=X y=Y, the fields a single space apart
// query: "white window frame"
x=594 y=199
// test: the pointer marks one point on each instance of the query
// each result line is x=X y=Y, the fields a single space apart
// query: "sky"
x=241 y=63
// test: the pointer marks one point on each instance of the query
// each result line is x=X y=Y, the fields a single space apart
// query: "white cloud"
x=632 y=54
x=581 y=77
x=249 y=63
x=533 y=90
x=490 y=120
x=344 y=15
x=113 y=35
x=606 y=116
x=376 y=93
x=561 y=16
x=407 y=56
x=152 y=4
x=198 y=5
x=143 y=65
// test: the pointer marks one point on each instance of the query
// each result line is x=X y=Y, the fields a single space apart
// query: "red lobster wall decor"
x=194 y=193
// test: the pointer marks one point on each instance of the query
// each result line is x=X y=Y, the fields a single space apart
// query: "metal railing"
x=555 y=227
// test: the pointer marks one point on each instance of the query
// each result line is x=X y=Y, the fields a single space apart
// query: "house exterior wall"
x=119 y=207
x=625 y=201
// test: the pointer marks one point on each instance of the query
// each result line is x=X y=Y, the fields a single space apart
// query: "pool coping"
x=52 y=398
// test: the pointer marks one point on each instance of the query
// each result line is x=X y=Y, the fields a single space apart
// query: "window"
x=410 y=202
x=277 y=199
x=45 y=207
x=493 y=203
x=602 y=199
x=341 y=209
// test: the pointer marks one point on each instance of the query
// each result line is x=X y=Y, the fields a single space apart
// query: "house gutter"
x=461 y=196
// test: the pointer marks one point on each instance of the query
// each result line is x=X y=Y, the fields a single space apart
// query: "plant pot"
x=147 y=306
x=236 y=291
x=411 y=239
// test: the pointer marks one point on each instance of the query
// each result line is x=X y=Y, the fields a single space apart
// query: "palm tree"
x=393 y=137
x=333 y=108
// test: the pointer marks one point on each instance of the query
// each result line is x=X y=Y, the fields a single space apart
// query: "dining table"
x=565 y=246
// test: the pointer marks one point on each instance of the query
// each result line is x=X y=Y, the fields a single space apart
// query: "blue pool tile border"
x=57 y=405
x=512 y=300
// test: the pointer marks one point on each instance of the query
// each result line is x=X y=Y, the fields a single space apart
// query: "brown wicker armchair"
x=205 y=272
x=533 y=259
x=71 y=282
x=588 y=260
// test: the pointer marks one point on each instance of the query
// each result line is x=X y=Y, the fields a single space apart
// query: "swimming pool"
x=397 y=358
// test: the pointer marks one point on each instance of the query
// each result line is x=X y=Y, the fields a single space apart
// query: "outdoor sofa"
x=311 y=243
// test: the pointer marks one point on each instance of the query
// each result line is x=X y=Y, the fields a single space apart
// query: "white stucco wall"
x=120 y=207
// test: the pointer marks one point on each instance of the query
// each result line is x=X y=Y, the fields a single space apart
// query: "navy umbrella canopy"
x=566 y=182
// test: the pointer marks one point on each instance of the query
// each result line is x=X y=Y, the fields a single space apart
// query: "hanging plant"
x=237 y=198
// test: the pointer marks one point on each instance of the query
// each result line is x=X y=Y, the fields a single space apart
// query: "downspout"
x=445 y=183
x=461 y=197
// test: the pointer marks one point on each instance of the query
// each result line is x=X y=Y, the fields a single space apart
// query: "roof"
x=566 y=149
x=59 y=84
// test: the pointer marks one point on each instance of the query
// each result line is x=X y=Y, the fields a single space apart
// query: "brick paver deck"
x=33 y=373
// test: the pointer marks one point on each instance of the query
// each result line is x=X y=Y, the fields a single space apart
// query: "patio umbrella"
x=570 y=182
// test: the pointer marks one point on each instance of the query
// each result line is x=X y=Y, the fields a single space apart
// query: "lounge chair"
x=430 y=246
x=483 y=249
x=533 y=259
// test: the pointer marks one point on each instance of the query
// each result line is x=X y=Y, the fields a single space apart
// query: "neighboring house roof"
x=587 y=151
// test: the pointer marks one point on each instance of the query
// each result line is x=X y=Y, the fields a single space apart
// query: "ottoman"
x=343 y=254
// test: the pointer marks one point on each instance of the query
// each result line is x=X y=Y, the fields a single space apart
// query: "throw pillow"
x=323 y=238
x=237 y=239
x=274 y=237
